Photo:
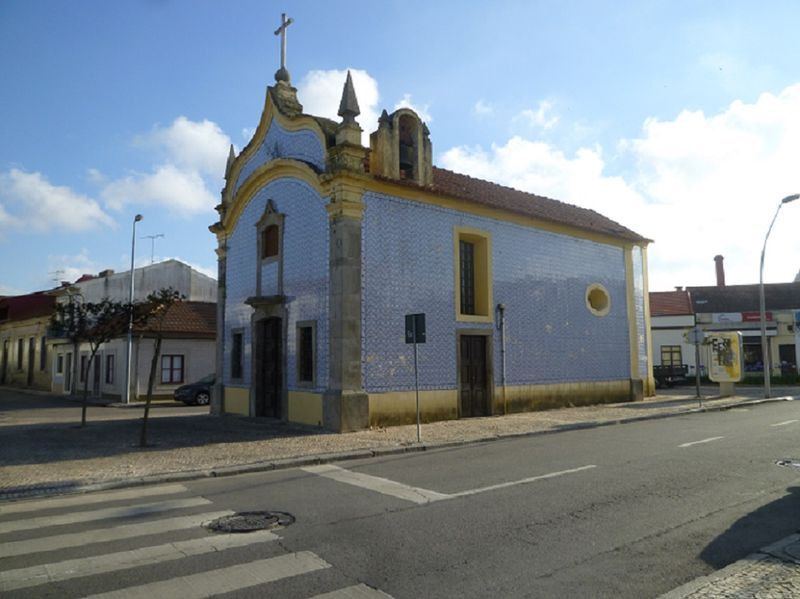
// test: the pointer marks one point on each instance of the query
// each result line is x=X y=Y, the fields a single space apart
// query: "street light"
x=136 y=219
x=765 y=358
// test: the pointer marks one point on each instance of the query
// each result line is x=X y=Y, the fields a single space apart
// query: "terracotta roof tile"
x=195 y=319
x=527 y=204
x=670 y=303
x=21 y=307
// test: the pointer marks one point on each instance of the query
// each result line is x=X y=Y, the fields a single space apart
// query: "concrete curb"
x=33 y=491
x=775 y=550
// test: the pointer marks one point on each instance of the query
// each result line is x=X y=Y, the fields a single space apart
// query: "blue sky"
x=679 y=119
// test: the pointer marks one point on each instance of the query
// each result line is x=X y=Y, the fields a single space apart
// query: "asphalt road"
x=622 y=511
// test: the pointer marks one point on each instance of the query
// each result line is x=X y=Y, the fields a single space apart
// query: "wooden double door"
x=269 y=367
x=474 y=396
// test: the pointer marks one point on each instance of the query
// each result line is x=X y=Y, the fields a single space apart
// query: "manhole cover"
x=788 y=463
x=250 y=521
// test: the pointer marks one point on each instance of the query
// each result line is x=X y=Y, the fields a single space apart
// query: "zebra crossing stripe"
x=103 y=535
x=224 y=580
x=87 y=499
x=360 y=591
x=103 y=514
x=102 y=564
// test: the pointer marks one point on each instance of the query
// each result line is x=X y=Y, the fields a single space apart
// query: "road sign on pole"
x=415 y=333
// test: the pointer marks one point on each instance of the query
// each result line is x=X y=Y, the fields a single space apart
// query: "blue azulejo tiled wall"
x=638 y=294
x=303 y=145
x=540 y=277
x=304 y=253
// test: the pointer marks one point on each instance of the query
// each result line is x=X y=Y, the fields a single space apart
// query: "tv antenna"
x=152 y=239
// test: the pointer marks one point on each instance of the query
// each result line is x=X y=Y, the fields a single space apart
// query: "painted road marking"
x=82 y=500
x=360 y=591
x=523 y=481
x=377 y=484
x=104 y=514
x=112 y=562
x=224 y=580
x=784 y=423
x=709 y=440
x=417 y=494
x=103 y=535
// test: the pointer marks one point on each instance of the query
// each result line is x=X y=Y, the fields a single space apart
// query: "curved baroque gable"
x=303 y=145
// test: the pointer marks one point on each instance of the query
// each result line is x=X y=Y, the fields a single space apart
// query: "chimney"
x=720 y=271
x=678 y=288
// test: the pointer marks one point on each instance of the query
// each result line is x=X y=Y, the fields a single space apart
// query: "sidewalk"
x=44 y=452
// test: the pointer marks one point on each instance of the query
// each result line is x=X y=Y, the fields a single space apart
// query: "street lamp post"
x=765 y=357
x=136 y=219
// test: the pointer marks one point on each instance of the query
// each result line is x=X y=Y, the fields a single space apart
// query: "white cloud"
x=482 y=108
x=422 y=111
x=717 y=181
x=321 y=91
x=541 y=117
x=170 y=187
x=247 y=133
x=702 y=185
x=196 y=146
x=29 y=200
x=192 y=162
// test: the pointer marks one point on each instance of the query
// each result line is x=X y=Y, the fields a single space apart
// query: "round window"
x=598 y=300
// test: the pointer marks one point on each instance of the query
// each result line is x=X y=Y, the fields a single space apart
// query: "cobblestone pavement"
x=44 y=451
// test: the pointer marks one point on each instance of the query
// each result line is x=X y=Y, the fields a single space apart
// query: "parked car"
x=198 y=392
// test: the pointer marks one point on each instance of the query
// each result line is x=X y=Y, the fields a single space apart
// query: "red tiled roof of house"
x=670 y=303
x=189 y=319
x=527 y=204
x=21 y=307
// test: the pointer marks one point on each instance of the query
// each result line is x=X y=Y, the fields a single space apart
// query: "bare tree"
x=153 y=313
x=91 y=323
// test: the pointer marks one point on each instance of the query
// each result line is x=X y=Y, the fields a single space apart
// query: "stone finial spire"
x=231 y=158
x=384 y=120
x=348 y=107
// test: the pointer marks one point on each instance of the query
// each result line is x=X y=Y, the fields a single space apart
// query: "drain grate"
x=788 y=463
x=250 y=522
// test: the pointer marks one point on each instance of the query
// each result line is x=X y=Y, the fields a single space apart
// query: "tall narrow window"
x=236 y=356
x=43 y=354
x=306 y=354
x=20 y=353
x=473 y=269
x=171 y=369
x=467 y=263
x=83 y=369
x=60 y=364
x=270 y=242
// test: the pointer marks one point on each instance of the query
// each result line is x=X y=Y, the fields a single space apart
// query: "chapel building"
x=324 y=247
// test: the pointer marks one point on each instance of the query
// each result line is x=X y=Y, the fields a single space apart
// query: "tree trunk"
x=150 y=384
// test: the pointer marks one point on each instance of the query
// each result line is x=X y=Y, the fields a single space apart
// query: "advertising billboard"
x=727 y=358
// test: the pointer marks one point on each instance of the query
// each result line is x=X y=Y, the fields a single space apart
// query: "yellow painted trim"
x=650 y=388
x=305 y=408
x=591 y=289
x=630 y=292
x=264 y=175
x=424 y=196
x=484 y=304
x=526 y=398
x=268 y=115
x=400 y=407
x=236 y=400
